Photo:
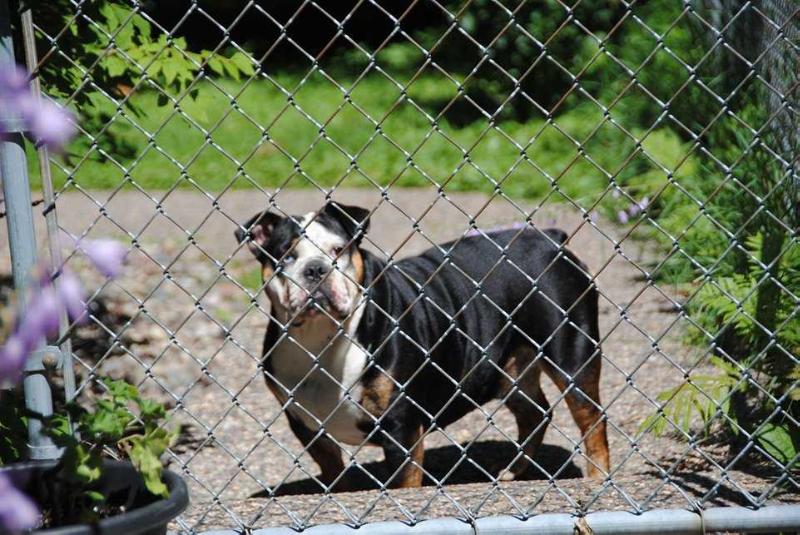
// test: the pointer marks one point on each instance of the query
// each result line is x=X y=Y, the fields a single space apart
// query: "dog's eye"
x=288 y=259
x=336 y=251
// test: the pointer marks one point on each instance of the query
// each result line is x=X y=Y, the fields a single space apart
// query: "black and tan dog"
x=364 y=351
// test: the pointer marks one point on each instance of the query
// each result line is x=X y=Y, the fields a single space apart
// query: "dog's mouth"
x=317 y=304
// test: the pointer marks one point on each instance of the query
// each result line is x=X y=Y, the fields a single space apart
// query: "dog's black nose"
x=315 y=270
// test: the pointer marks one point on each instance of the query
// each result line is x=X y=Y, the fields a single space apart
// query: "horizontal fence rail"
x=453 y=266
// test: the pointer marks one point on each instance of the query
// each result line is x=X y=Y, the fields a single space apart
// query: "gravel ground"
x=191 y=336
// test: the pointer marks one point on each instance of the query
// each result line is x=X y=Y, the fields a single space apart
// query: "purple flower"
x=622 y=216
x=13 y=355
x=639 y=206
x=615 y=194
x=593 y=216
x=13 y=81
x=106 y=255
x=71 y=293
x=51 y=124
x=18 y=513
x=42 y=317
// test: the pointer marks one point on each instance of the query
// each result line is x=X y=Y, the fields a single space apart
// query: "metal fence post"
x=48 y=195
x=22 y=244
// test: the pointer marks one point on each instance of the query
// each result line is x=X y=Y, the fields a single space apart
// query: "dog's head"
x=311 y=263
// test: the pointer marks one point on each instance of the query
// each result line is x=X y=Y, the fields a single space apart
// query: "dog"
x=361 y=350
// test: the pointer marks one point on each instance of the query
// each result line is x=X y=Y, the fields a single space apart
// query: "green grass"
x=291 y=150
x=250 y=279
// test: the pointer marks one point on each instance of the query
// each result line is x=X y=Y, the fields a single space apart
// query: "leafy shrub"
x=106 y=49
x=110 y=47
x=762 y=380
x=743 y=262
x=725 y=220
x=534 y=42
x=731 y=302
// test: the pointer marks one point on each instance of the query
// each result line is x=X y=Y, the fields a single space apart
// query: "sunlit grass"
x=371 y=135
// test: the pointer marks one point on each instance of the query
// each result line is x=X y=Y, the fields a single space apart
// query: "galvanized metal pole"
x=48 y=195
x=22 y=242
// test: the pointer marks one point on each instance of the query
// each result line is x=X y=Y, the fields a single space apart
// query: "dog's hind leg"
x=404 y=453
x=582 y=393
x=530 y=408
x=322 y=449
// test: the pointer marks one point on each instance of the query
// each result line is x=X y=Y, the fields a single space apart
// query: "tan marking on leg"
x=411 y=474
x=377 y=394
x=587 y=415
x=519 y=368
x=593 y=429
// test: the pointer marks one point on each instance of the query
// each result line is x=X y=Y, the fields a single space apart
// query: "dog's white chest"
x=324 y=380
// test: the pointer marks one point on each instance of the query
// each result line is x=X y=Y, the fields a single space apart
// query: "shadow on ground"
x=482 y=463
x=703 y=481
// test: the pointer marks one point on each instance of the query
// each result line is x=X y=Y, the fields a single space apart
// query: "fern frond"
x=703 y=395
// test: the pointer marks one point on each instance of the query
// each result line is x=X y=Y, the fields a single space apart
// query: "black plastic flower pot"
x=144 y=514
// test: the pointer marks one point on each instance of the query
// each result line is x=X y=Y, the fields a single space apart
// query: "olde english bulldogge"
x=364 y=351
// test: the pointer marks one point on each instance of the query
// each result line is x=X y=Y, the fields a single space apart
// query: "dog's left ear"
x=256 y=233
x=354 y=219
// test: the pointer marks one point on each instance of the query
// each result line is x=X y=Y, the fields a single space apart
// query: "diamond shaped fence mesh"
x=661 y=138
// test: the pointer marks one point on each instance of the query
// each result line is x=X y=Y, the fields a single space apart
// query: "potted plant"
x=109 y=477
x=86 y=491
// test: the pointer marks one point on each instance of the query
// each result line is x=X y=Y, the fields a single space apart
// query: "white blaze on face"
x=321 y=361
x=317 y=243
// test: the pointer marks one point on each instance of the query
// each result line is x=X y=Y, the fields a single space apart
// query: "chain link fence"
x=675 y=193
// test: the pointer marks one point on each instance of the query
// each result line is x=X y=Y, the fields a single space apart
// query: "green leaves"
x=166 y=60
x=701 y=394
x=759 y=332
x=150 y=411
x=121 y=390
x=13 y=430
x=115 y=65
x=777 y=440
x=125 y=51
x=145 y=453
x=81 y=463
x=708 y=396
x=109 y=422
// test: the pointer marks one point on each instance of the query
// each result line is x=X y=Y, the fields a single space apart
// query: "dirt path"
x=194 y=340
